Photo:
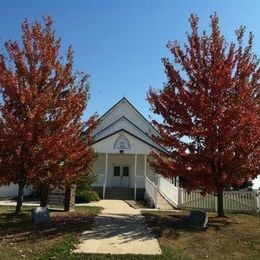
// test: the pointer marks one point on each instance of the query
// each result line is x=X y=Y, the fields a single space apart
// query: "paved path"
x=119 y=229
x=13 y=203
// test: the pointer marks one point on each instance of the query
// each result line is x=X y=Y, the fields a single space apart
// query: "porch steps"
x=120 y=193
x=162 y=203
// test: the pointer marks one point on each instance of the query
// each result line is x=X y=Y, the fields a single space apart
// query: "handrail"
x=151 y=190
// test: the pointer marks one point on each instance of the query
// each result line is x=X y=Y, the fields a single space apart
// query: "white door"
x=120 y=176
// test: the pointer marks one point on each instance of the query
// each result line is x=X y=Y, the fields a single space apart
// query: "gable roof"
x=124 y=124
x=115 y=122
x=124 y=116
x=124 y=99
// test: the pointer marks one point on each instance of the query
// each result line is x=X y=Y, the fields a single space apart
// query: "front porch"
x=121 y=173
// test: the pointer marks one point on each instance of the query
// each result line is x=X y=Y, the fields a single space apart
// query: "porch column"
x=105 y=181
x=177 y=181
x=145 y=165
x=135 y=175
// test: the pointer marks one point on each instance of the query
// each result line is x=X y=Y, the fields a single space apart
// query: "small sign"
x=57 y=196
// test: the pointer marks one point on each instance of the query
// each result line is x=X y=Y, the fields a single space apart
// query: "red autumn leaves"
x=210 y=111
x=43 y=100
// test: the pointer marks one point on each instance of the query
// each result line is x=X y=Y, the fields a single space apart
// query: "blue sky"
x=121 y=43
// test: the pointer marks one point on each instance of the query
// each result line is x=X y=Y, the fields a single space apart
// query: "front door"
x=121 y=176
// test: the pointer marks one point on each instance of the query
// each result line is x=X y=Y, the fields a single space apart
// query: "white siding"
x=126 y=110
x=12 y=191
x=126 y=125
x=137 y=146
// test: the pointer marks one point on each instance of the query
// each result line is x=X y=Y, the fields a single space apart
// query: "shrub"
x=85 y=196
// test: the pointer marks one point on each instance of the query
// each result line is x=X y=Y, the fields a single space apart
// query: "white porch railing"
x=235 y=201
x=168 y=190
x=151 y=191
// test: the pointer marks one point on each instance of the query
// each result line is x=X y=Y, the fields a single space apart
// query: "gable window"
x=122 y=143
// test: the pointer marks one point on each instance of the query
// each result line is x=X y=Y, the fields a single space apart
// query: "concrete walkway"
x=13 y=203
x=119 y=229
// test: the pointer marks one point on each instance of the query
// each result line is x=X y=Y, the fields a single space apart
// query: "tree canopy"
x=42 y=102
x=210 y=111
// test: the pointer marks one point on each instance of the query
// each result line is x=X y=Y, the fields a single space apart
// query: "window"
x=125 y=171
x=116 y=170
x=122 y=143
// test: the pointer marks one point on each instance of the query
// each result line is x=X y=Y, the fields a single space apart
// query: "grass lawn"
x=235 y=237
x=20 y=239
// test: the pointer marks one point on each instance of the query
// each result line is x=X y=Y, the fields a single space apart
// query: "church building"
x=123 y=142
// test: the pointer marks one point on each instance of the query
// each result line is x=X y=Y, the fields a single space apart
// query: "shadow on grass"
x=168 y=225
x=172 y=225
x=18 y=229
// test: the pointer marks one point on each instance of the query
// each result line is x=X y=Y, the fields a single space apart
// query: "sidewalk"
x=13 y=203
x=119 y=229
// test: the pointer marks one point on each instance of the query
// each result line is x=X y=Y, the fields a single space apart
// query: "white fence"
x=235 y=201
x=194 y=199
x=241 y=200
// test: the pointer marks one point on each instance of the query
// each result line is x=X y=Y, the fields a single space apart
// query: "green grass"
x=20 y=239
x=235 y=237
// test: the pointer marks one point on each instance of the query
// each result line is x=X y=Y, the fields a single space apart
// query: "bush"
x=86 y=182
x=85 y=196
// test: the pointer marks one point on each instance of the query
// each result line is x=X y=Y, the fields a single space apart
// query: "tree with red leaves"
x=42 y=101
x=210 y=111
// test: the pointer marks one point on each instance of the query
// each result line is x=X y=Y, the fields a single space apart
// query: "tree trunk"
x=44 y=195
x=220 y=204
x=19 y=201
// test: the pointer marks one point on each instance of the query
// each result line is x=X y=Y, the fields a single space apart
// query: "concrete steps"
x=120 y=193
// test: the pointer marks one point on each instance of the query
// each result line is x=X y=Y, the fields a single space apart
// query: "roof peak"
x=124 y=99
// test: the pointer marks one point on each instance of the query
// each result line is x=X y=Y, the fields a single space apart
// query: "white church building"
x=122 y=141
